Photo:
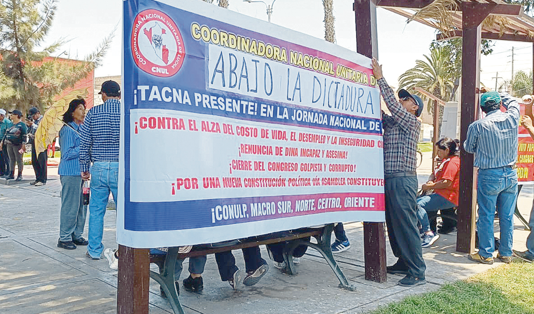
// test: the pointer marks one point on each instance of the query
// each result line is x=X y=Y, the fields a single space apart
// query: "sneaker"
x=19 y=178
x=93 y=258
x=429 y=239
x=281 y=265
x=33 y=182
x=253 y=277
x=526 y=256
x=296 y=260
x=236 y=279
x=193 y=284
x=478 y=258
x=397 y=269
x=411 y=281
x=112 y=259
x=39 y=183
x=504 y=259
x=338 y=246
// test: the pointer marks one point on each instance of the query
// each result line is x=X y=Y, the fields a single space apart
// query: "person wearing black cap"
x=99 y=145
x=38 y=161
x=15 y=139
x=401 y=134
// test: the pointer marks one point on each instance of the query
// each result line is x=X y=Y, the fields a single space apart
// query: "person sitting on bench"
x=445 y=186
x=276 y=253
x=193 y=283
x=256 y=267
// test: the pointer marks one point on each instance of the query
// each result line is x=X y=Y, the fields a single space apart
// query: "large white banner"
x=234 y=127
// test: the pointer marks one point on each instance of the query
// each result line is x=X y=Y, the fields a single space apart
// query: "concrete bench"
x=299 y=236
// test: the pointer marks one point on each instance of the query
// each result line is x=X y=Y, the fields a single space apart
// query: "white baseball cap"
x=2 y=112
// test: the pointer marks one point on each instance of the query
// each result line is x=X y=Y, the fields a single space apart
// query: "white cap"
x=2 y=112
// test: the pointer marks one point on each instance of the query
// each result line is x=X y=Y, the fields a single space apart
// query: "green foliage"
x=27 y=77
x=522 y=84
x=434 y=74
x=454 y=48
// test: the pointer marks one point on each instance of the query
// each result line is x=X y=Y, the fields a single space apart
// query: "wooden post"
x=436 y=133
x=134 y=276
x=374 y=237
x=472 y=17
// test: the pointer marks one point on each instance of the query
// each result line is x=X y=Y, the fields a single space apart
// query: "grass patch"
x=506 y=289
x=425 y=147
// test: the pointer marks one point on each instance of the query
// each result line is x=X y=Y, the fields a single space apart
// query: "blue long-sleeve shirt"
x=4 y=125
x=100 y=134
x=69 y=141
x=493 y=139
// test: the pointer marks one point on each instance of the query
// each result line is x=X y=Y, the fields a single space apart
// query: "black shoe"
x=411 y=281
x=446 y=229
x=164 y=295
x=397 y=269
x=10 y=177
x=194 y=284
x=67 y=245
x=80 y=241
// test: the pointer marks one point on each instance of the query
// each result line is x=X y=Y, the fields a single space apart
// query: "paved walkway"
x=38 y=277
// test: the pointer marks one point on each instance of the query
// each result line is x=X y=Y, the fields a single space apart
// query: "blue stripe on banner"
x=217 y=212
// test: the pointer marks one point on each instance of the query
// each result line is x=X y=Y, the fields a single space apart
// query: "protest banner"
x=234 y=127
x=525 y=155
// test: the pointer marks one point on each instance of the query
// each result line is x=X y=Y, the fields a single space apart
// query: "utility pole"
x=496 y=77
x=512 y=81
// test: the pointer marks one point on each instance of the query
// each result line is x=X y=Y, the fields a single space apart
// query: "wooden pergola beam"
x=488 y=35
x=496 y=8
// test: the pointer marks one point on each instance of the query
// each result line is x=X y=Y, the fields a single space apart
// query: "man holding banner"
x=401 y=134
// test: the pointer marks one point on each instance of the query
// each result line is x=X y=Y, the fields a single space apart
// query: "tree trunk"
x=329 y=28
x=224 y=3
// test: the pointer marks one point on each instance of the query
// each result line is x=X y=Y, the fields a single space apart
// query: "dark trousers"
x=401 y=220
x=226 y=262
x=4 y=160
x=39 y=164
x=277 y=250
x=339 y=232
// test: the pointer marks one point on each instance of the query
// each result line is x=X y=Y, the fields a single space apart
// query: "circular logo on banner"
x=157 y=44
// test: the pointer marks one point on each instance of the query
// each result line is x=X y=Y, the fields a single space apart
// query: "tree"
x=436 y=74
x=522 y=84
x=30 y=77
x=454 y=48
x=329 y=27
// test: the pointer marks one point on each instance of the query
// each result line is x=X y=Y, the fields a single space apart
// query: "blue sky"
x=85 y=23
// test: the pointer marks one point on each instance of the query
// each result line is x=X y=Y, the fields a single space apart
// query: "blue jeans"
x=432 y=203
x=104 y=177
x=530 y=239
x=72 y=216
x=497 y=191
x=196 y=264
